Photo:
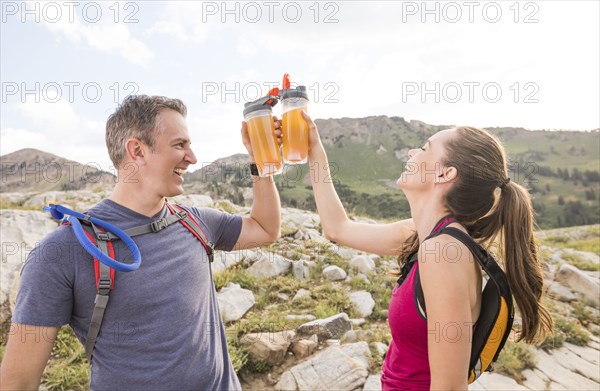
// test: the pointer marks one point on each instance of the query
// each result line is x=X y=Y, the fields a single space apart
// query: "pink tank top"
x=406 y=365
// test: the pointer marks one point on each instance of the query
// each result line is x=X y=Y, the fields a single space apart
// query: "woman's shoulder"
x=445 y=250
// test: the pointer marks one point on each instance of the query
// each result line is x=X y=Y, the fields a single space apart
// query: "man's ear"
x=135 y=150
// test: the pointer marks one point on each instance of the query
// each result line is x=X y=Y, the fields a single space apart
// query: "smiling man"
x=161 y=329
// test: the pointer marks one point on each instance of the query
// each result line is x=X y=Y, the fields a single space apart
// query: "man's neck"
x=136 y=200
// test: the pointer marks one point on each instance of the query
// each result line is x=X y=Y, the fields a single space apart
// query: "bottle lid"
x=298 y=92
x=264 y=103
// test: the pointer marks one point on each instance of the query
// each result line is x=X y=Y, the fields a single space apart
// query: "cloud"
x=183 y=21
x=58 y=130
x=107 y=38
x=170 y=28
x=58 y=115
x=14 y=139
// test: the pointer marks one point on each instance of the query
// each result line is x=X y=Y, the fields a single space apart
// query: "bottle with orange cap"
x=294 y=128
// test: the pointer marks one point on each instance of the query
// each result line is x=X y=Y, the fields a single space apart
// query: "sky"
x=66 y=65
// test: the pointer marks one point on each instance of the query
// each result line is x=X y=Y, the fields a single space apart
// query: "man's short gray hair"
x=137 y=117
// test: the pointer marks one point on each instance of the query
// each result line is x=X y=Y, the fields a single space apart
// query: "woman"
x=458 y=178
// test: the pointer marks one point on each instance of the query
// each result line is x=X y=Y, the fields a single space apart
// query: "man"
x=162 y=328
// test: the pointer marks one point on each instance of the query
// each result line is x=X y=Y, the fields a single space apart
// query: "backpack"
x=105 y=275
x=497 y=312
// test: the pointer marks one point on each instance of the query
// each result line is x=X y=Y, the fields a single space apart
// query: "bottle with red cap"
x=294 y=128
x=261 y=129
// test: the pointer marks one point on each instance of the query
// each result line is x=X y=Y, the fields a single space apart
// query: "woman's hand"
x=313 y=138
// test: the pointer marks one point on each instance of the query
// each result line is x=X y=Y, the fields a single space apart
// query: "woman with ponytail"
x=458 y=178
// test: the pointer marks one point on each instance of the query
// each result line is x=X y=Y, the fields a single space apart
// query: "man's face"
x=163 y=168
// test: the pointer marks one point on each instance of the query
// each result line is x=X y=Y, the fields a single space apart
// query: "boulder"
x=345 y=252
x=234 y=302
x=558 y=371
x=373 y=383
x=334 y=273
x=270 y=265
x=298 y=270
x=363 y=302
x=358 y=322
x=560 y=292
x=195 y=200
x=302 y=293
x=495 y=381
x=303 y=348
x=217 y=266
x=580 y=282
x=379 y=348
x=534 y=379
x=349 y=337
x=307 y=317
x=328 y=328
x=363 y=263
x=335 y=368
x=228 y=259
x=269 y=347
x=21 y=231
x=571 y=358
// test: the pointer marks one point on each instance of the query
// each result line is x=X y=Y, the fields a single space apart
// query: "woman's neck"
x=425 y=214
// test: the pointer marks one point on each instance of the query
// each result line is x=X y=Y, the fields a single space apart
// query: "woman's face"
x=424 y=166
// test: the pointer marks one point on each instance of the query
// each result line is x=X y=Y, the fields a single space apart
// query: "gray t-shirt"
x=162 y=328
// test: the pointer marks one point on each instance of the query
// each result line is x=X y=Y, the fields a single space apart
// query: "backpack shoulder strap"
x=485 y=260
x=154 y=226
x=194 y=227
x=105 y=279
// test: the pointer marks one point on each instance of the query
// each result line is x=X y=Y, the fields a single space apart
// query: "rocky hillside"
x=305 y=314
x=30 y=170
x=368 y=154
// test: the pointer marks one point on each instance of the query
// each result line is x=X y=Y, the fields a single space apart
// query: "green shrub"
x=236 y=274
x=553 y=341
x=237 y=353
x=258 y=366
x=332 y=300
x=358 y=284
x=565 y=331
x=68 y=369
x=580 y=262
x=584 y=315
x=514 y=359
x=224 y=206
x=573 y=332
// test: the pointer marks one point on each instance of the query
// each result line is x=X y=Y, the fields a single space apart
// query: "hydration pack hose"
x=59 y=212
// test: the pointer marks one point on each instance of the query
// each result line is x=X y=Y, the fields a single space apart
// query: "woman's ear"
x=448 y=174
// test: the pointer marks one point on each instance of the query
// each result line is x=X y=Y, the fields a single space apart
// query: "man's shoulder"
x=202 y=212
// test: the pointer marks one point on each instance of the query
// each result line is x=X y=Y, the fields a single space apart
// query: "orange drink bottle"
x=259 y=118
x=294 y=128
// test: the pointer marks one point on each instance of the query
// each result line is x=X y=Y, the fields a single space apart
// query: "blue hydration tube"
x=59 y=212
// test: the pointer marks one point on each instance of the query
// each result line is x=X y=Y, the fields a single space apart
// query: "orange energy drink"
x=261 y=129
x=294 y=128
x=295 y=136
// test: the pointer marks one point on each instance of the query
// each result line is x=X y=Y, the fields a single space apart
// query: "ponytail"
x=522 y=265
